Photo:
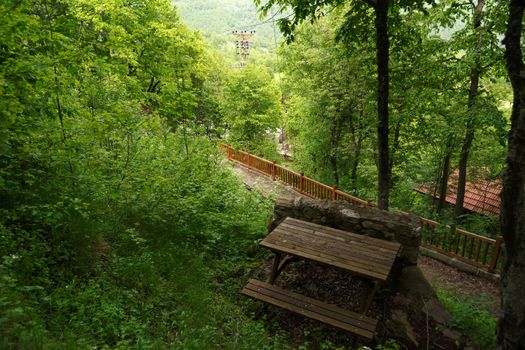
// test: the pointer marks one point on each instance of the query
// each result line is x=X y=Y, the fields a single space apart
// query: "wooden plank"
x=326 y=260
x=370 y=323
x=369 y=257
x=343 y=234
x=308 y=313
x=275 y=267
x=329 y=256
x=323 y=247
x=325 y=309
x=381 y=245
x=330 y=314
x=350 y=244
x=357 y=239
x=350 y=250
x=385 y=257
x=370 y=249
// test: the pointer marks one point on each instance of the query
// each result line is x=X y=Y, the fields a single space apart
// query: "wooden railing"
x=480 y=251
x=471 y=248
x=297 y=181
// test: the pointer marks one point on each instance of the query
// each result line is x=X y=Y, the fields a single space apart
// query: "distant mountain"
x=223 y=16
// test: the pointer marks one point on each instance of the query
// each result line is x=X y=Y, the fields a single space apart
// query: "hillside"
x=216 y=19
x=223 y=16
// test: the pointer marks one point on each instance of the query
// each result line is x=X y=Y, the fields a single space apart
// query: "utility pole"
x=242 y=45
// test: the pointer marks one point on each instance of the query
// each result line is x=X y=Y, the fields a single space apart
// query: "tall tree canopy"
x=357 y=25
x=111 y=187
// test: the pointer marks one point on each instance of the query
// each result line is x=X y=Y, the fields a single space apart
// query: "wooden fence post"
x=273 y=170
x=495 y=254
x=334 y=192
x=301 y=182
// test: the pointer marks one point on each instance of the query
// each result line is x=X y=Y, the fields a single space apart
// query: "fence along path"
x=471 y=248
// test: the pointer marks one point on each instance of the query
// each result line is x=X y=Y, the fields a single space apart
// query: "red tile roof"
x=482 y=197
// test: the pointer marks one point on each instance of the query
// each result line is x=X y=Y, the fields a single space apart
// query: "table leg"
x=368 y=300
x=275 y=268
x=285 y=260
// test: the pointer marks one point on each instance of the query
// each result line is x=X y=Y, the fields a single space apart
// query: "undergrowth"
x=471 y=318
x=153 y=264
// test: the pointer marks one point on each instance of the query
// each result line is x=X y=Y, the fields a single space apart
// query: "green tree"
x=327 y=131
x=252 y=110
x=358 y=20
x=109 y=191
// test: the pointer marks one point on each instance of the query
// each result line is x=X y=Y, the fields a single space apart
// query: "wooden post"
x=450 y=239
x=301 y=182
x=273 y=170
x=334 y=192
x=275 y=267
x=495 y=254
x=369 y=298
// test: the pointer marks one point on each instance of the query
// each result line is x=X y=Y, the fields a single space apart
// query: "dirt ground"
x=346 y=290
x=467 y=285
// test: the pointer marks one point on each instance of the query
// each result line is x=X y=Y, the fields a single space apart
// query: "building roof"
x=482 y=197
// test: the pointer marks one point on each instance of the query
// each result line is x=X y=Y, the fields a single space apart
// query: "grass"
x=471 y=318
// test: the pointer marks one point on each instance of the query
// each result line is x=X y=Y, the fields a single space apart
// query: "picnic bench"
x=367 y=257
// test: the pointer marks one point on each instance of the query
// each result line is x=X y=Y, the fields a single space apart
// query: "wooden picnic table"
x=362 y=255
x=365 y=256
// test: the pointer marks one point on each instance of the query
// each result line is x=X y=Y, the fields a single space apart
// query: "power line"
x=271 y=19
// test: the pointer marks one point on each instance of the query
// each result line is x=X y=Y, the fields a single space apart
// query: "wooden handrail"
x=458 y=230
x=449 y=244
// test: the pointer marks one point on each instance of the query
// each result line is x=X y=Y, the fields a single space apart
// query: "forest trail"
x=437 y=273
x=265 y=185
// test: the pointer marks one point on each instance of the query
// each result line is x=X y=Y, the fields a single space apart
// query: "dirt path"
x=437 y=273
x=271 y=189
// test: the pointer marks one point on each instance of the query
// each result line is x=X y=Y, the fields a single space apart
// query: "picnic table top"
x=362 y=255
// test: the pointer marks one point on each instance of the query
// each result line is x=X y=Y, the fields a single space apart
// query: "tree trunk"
x=355 y=163
x=443 y=185
x=469 y=134
x=335 y=136
x=511 y=324
x=357 y=142
x=393 y=150
x=382 y=42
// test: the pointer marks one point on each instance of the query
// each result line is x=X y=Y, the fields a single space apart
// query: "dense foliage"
x=252 y=110
x=333 y=135
x=121 y=225
x=119 y=220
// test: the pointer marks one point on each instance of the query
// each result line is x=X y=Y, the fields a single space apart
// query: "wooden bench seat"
x=330 y=314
